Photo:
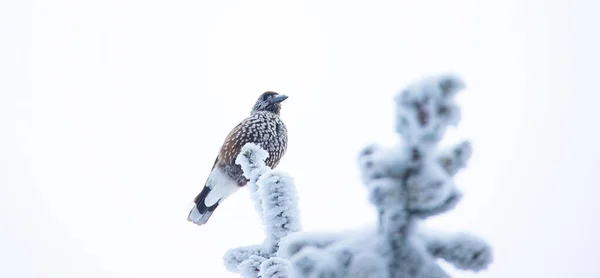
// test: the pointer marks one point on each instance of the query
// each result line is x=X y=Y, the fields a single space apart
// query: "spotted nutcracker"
x=264 y=128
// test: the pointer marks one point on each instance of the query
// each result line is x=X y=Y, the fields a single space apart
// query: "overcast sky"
x=112 y=113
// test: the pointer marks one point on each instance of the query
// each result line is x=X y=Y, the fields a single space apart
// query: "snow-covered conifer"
x=407 y=183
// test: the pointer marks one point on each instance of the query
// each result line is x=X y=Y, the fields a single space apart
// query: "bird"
x=264 y=128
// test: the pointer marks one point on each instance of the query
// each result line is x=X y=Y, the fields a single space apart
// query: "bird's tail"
x=217 y=188
x=200 y=213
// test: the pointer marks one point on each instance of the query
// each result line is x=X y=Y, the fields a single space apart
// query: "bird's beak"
x=278 y=98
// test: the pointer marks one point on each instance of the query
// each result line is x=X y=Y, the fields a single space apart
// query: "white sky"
x=112 y=112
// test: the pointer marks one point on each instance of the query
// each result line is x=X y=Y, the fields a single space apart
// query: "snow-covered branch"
x=275 y=198
x=462 y=250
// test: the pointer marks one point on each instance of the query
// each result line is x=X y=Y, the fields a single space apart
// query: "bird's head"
x=269 y=101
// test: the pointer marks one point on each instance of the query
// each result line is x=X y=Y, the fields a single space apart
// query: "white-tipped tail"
x=218 y=187
x=198 y=218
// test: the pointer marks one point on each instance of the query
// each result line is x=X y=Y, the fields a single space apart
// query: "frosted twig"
x=275 y=198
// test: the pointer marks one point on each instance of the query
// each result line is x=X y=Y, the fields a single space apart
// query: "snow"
x=274 y=195
x=279 y=205
x=276 y=268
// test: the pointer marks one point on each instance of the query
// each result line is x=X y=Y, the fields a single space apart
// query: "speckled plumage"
x=264 y=128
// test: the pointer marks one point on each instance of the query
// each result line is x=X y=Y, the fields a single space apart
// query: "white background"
x=112 y=112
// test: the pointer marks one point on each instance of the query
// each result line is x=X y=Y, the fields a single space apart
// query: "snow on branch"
x=275 y=198
x=455 y=158
x=407 y=183
x=462 y=250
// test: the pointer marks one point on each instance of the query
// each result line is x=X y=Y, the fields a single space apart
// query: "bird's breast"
x=262 y=128
x=272 y=137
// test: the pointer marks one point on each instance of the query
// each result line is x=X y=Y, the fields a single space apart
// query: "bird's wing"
x=226 y=153
x=232 y=146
